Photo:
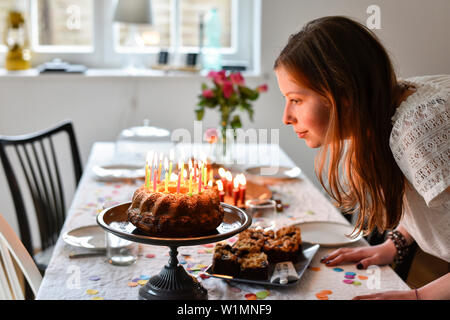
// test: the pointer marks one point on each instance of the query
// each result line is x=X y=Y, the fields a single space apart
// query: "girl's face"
x=307 y=111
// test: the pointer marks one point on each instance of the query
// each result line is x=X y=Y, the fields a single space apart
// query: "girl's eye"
x=294 y=101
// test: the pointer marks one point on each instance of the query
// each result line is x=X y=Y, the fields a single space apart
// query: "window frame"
x=246 y=25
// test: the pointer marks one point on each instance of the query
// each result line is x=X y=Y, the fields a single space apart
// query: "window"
x=83 y=31
x=62 y=25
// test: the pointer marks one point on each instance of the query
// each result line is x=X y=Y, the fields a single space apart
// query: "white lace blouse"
x=420 y=143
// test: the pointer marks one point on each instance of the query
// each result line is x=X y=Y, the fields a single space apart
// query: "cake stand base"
x=173 y=283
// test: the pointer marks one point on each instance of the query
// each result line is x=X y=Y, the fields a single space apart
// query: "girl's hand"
x=364 y=256
x=389 y=295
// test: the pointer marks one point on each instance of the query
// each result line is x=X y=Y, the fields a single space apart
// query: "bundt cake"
x=172 y=214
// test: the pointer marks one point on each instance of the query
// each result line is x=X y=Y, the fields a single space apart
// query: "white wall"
x=414 y=31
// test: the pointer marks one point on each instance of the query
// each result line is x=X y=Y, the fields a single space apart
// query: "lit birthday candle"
x=160 y=165
x=166 y=167
x=190 y=177
x=229 y=185
x=242 y=187
x=148 y=163
x=180 y=174
x=236 y=191
x=221 y=192
x=182 y=171
x=200 y=179
x=171 y=157
x=222 y=174
x=155 y=168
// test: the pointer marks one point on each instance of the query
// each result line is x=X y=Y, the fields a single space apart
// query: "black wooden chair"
x=39 y=165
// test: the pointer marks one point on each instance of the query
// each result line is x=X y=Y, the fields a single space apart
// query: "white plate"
x=89 y=237
x=282 y=172
x=327 y=234
x=114 y=172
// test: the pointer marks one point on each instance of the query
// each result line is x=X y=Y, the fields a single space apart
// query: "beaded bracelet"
x=400 y=244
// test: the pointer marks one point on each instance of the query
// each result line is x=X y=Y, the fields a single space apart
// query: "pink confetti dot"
x=348 y=281
x=149 y=255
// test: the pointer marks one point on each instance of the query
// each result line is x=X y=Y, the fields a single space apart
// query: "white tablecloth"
x=94 y=278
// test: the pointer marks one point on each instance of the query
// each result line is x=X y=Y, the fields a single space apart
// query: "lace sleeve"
x=420 y=143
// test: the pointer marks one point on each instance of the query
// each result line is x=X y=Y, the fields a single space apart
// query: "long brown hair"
x=345 y=62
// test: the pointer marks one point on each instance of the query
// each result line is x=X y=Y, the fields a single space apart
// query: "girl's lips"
x=301 y=134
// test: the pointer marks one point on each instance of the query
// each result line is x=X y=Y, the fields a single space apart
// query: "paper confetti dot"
x=91 y=291
x=356 y=283
x=326 y=292
x=136 y=279
x=262 y=294
x=201 y=251
x=338 y=269
x=321 y=296
x=142 y=277
x=348 y=276
x=132 y=284
x=310 y=212
x=251 y=296
x=362 y=277
x=349 y=273
x=208 y=245
x=94 y=278
x=149 y=255
x=347 y=281
x=98 y=298
x=142 y=282
x=204 y=276
x=314 y=268
x=183 y=261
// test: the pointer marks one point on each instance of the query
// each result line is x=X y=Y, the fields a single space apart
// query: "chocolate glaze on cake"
x=175 y=214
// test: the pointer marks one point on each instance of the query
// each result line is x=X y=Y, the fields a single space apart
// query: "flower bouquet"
x=229 y=95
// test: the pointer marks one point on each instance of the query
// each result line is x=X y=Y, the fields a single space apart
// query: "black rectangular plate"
x=306 y=255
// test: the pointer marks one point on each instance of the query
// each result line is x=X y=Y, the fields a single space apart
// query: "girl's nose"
x=288 y=117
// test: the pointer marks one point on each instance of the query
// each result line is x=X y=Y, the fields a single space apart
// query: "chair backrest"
x=38 y=161
x=12 y=248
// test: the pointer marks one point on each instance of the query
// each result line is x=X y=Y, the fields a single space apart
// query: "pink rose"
x=227 y=89
x=262 y=88
x=220 y=77
x=212 y=74
x=236 y=78
x=208 y=93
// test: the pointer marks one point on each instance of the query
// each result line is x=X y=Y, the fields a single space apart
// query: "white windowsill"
x=113 y=73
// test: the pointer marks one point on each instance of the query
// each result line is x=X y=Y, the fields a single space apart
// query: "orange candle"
x=242 y=188
x=221 y=192
x=236 y=192
x=229 y=186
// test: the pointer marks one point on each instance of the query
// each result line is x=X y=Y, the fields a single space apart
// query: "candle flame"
x=190 y=165
x=160 y=156
x=166 y=164
x=229 y=176
x=179 y=164
x=171 y=154
x=149 y=157
x=242 y=179
x=219 y=185
x=222 y=172
x=236 y=183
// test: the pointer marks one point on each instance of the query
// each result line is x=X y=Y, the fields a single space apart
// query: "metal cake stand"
x=173 y=282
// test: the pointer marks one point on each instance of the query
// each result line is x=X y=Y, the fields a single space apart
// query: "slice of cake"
x=225 y=261
x=285 y=246
x=254 y=266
